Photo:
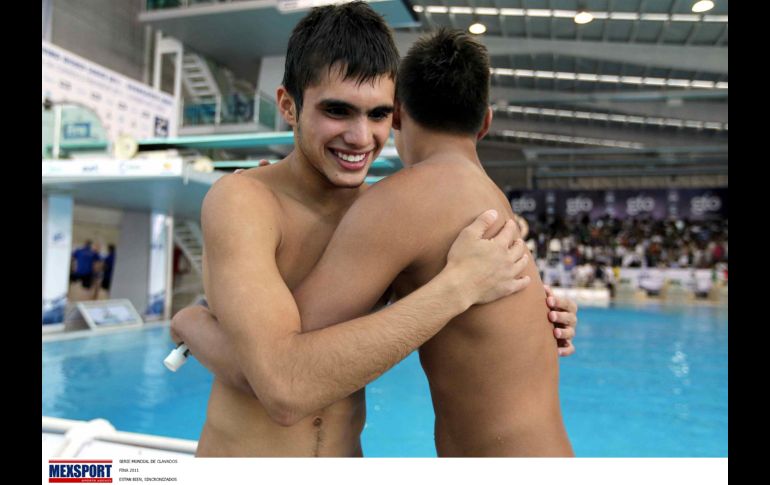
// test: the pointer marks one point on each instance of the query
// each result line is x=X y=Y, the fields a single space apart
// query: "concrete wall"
x=47 y=13
x=103 y=31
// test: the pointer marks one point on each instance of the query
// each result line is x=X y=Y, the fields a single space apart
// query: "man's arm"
x=293 y=373
x=198 y=328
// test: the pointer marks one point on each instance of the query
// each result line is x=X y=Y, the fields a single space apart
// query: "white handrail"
x=79 y=433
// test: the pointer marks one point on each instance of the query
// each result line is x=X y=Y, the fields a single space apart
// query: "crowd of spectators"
x=590 y=249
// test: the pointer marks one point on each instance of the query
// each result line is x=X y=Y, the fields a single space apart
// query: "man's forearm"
x=315 y=369
x=210 y=345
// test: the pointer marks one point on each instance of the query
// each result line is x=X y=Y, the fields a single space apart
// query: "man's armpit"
x=388 y=297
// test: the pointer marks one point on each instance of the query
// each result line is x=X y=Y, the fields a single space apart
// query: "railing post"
x=56 y=130
x=257 y=97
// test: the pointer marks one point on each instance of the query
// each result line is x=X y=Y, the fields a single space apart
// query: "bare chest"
x=304 y=237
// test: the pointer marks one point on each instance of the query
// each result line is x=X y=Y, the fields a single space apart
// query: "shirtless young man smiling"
x=266 y=229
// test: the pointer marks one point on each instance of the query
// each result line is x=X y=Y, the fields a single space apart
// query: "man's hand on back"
x=563 y=315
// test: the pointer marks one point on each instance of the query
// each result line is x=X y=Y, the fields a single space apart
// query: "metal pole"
x=56 y=130
x=178 y=73
x=157 y=64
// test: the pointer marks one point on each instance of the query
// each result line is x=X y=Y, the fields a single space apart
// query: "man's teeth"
x=351 y=158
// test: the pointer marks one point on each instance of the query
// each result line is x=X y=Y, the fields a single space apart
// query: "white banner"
x=108 y=168
x=57 y=259
x=123 y=105
x=685 y=276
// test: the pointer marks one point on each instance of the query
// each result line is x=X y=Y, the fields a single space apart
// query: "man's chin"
x=350 y=185
x=349 y=181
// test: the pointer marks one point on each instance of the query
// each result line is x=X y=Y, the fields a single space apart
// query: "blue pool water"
x=645 y=382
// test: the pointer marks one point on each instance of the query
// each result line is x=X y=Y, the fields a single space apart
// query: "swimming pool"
x=647 y=381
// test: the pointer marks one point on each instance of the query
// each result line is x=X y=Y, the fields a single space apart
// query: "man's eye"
x=379 y=115
x=336 y=111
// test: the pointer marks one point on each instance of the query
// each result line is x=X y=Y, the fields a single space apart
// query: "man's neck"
x=310 y=187
x=431 y=145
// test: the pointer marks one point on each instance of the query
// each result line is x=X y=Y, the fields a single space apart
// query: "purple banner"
x=640 y=203
x=693 y=204
x=528 y=204
x=577 y=204
x=703 y=204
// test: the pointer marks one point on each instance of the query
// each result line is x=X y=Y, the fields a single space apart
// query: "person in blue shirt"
x=83 y=261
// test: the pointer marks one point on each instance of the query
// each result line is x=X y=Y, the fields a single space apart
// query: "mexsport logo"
x=79 y=471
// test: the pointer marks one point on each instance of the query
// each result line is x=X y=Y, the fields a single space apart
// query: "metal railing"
x=235 y=109
x=78 y=434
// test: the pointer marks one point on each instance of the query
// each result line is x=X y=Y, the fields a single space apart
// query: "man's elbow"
x=181 y=322
x=282 y=409
x=278 y=396
x=176 y=329
x=283 y=415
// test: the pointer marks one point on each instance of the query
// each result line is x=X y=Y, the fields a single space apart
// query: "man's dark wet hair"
x=351 y=36
x=443 y=82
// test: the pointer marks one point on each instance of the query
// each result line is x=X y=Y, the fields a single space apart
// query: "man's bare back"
x=493 y=370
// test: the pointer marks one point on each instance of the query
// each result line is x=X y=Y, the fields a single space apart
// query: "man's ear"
x=287 y=106
x=397 y=115
x=485 y=124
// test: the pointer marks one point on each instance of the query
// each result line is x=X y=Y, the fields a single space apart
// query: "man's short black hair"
x=351 y=36
x=443 y=82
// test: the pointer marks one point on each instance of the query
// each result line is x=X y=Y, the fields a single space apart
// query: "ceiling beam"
x=683 y=57
x=650 y=138
x=683 y=104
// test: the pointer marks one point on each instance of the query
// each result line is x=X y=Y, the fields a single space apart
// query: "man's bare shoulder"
x=239 y=203
x=239 y=192
x=444 y=195
x=425 y=186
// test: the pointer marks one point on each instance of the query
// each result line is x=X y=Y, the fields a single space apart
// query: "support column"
x=159 y=302
x=57 y=249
